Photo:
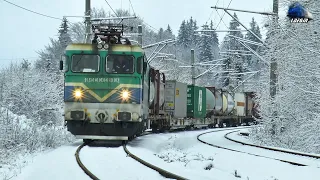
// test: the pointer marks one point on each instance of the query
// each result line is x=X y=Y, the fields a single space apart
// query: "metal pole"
x=213 y=30
x=87 y=21
x=140 y=34
x=246 y=28
x=273 y=65
x=192 y=68
x=273 y=74
x=255 y=12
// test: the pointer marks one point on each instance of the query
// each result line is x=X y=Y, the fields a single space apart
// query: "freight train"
x=112 y=93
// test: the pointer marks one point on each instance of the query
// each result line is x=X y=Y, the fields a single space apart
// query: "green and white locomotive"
x=107 y=94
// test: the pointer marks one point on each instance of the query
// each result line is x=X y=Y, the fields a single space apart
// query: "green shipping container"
x=196 y=102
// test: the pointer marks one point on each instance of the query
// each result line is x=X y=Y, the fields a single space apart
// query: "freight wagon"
x=189 y=106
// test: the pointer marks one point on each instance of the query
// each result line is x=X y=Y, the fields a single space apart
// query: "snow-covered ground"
x=237 y=136
x=258 y=151
x=105 y=163
x=179 y=153
x=183 y=154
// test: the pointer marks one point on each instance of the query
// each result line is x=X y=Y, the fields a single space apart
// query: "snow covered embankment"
x=182 y=154
x=21 y=138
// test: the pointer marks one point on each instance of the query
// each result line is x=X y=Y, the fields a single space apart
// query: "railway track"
x=83 y=167
x=271 y=148
x=159 y=170
x=239 y=151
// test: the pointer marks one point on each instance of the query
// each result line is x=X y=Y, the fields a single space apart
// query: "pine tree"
x=254 y=27
x=64 y=36
x=205 y=46
x=160 y=35
x=182 y=35
x=214 y=41
x=49 y=57
x=234 y=62
x=168 y=33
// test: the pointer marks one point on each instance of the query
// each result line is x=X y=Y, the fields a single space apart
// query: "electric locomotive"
x=106 y=92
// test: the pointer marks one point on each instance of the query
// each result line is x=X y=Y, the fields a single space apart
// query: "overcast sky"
x=23 y=33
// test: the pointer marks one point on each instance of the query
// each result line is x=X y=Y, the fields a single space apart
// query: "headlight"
x=125 y=95
x=135 y=116
x=77 y=94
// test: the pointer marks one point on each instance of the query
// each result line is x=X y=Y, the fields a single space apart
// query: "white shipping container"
x=176 y=99
x=240 y=104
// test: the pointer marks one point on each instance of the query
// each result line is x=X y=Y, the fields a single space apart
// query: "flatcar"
x=112 y=93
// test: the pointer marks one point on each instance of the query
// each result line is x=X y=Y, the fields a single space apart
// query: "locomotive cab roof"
x=113 y=47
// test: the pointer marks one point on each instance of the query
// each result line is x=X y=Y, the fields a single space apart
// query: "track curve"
x=270 y=148
x=234 y=150
x=92 y=176
x=77 y=154
x=161 y=171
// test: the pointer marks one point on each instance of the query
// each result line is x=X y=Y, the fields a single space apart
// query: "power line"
x=111 y=8
x=15 y=59
x=210 y=16
x=132 y=7
x=32 y=11
x=223 y=14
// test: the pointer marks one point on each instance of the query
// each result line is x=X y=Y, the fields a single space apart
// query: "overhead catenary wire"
x=132 y=7
x=111 y=8
x=211 y=13
x=33 y=11
x=223 y=14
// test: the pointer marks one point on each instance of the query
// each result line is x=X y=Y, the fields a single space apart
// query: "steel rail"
x=161 y=171
x=271 y=148
x=216 y=146
x=92 y=176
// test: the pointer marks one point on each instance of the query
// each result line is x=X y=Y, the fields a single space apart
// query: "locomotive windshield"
x=85 y=63
x=121 y=64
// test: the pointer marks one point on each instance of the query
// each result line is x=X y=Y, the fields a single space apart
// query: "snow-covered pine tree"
x=233 y=62
x=50 y=56
x=215 y=49
x=64 y=35
x=253 y=61
x=295 y=47
x=160 y=36
x=205 y=46
x=168 y=33
x=183 y=35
